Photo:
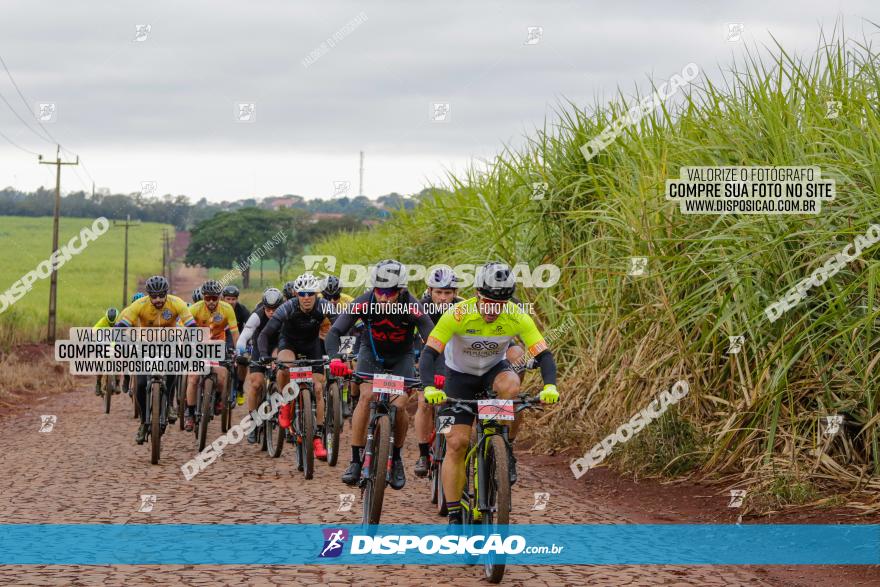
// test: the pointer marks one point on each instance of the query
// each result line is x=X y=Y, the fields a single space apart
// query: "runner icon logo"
x=334 y=539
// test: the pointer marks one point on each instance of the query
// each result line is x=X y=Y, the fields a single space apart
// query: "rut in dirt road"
x=89 y=470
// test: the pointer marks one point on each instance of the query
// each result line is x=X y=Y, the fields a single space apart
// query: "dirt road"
x=89 y=470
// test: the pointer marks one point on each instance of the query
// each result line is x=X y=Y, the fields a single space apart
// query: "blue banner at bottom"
x=527 y=544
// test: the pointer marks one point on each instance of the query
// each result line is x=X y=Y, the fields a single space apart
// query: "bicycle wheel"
x=438 y=496
x=498 y=500
x=274 y=433
x=374 y=491
x=307 y=430
x=332 y=423
x=226 y=413
x=181 y=399
x=155 y=422
x=207 y=411
x=108 y=394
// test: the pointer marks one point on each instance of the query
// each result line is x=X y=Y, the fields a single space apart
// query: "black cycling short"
x=309 y=350
x=466 y=386
x=400 y=365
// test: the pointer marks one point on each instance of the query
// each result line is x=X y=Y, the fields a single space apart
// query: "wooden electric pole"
x=53 y=282
x=128 y=223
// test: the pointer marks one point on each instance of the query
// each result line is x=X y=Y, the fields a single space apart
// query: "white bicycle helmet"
x=307 y=283
x=442 y=277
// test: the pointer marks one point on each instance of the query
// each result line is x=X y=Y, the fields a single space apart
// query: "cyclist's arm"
x=342 y=325
x=437 y=339
x=102 y=323
x=184 y=314
x=538 y=348
x=272 y=327
x=249 y=328
x=231 y=326
x=129 y=315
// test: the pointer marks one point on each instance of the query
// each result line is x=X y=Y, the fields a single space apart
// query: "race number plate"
x=300 y=374
x=390 y=384
x=495 y=409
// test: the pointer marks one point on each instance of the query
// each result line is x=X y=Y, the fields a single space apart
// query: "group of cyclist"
x=461 y=346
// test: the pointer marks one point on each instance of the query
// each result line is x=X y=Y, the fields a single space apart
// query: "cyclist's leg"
x=515 y=355
x=191 y=382
x=425 y=416
x=458 y=386
x=506 y=384
x=404 y=366
x=282 y=379
x=141 y=396
x=314 y=352
x=222 y=376
x=361 y=416
x=253 y=385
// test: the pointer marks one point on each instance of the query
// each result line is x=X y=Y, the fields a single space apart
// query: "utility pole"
x=53 y=283
x=164 y=249
x=361 y=188
x=128 y=223
x=166 y=256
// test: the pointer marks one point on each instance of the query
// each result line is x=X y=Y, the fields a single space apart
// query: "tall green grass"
x=709 y=277
x=87 y=284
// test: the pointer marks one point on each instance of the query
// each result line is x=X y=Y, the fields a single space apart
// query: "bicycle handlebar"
x=408 y=382
x=521 y=403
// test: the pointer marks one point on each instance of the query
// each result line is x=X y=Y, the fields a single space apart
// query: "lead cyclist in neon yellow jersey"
x=106 y=321
x=473 y=335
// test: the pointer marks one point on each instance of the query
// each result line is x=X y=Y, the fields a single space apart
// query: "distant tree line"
x=181 y=212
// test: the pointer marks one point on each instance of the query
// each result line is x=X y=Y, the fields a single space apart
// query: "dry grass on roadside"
x=25 y=373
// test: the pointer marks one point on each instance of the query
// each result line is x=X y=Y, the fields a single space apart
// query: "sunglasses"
x=305 y=294
x=211 y=298
x=386 y=291
x=158 y=296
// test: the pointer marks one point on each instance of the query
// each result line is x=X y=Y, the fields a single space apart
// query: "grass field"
x=88 y=283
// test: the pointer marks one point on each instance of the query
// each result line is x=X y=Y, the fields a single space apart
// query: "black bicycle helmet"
x=231 y=291
x=197 y=295
x=211 y=288
x=495 y=281
x=388 y=273
x=272 y=298
x=112 y=313
x=331 y=287
x=288 y=290
x=156 y=285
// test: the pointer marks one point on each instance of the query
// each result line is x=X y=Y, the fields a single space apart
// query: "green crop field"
x=88 y=283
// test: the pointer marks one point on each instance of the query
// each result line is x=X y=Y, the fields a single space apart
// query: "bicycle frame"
x=379 y=406
x=476 y=455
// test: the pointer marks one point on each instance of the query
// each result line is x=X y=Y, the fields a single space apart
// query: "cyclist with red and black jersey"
x=256 y=376
x=441 y=295
x=390 y=314
x=298 y=323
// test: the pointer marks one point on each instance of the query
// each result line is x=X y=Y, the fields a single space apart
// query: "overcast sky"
x=165 y=108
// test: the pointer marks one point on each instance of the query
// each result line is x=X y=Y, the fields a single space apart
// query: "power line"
x=23 y=121
x=24 y=101
x=17 y=146
x=45 y=130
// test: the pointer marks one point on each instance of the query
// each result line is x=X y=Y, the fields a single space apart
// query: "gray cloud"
x=163 y=109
